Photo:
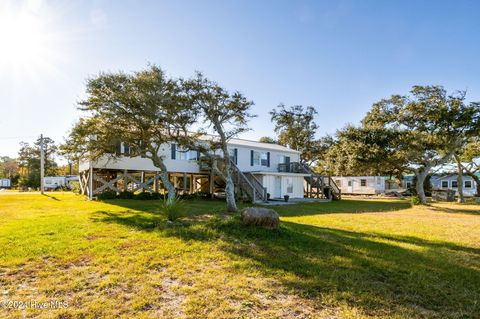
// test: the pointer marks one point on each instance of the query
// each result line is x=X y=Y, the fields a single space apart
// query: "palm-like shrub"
x=173 y=208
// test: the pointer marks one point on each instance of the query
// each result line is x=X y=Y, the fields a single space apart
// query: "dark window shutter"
x=251 y=158
x=235 y=155
x=287 y=160
x=268 y=159
x=198 y=155
x=174 y=150
x=126 y=148
x=118 y=148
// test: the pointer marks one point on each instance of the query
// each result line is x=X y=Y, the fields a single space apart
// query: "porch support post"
x=155 y=185
x=184 y=182
x=90 y=183
x=142 y=179
x=211 y=178
x=125 y=180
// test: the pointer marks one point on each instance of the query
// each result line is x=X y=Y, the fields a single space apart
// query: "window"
x=379 y=180
x=260 y=158
x=338 y=182
x=409 y=184
x=349 y=183
x=467 y=184
x=232 y=152
x=289 y=185
x=186 y=154
x=282 y=159
x=363 y=182
x=454 y=184
x=444 y=184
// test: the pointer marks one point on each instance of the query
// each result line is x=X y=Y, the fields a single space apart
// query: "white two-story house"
x=269 y=168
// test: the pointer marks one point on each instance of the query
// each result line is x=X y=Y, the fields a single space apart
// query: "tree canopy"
x=296 y=128
x=143 y=109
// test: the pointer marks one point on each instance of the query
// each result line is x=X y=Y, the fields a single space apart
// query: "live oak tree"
x=430 y=127
x=145 y=110
x=296 y=128
x=267 y=139
x=360 y=150
x=227 y=115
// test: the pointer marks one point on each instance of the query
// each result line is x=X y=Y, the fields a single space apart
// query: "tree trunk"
x=421 y=176
x=230 y=194
x=158 y=162
x=461 y=198
x=477 y=182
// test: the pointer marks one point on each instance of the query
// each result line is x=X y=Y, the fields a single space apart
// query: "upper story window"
x=282 y=159
x=260 y=158
x=467 y=184
x=233 y=153
x=454 y=184
x=338 y=182
x=184 y=154
x=444 y=184
x=363 y=182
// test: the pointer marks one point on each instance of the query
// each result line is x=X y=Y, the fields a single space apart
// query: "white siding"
x=353 y=184
x=191 y=166
x=269 y=181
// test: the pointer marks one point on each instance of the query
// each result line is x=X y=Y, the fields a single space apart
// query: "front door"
x=278 y=187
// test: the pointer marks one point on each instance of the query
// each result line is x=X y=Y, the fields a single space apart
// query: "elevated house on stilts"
x=261 y=171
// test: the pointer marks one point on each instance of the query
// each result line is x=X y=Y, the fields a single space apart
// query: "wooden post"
x=125 y=181
x=184 y=182
x=155 y=185
x=211 y=178
x=142 y=180
x=90 y=183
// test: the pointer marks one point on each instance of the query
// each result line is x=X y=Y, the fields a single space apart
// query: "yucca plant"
x=173 y=208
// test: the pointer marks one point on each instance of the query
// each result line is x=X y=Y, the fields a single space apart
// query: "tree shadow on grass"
x=457 y=210
x=204 y=206
x=380 y=274
x=342 y=206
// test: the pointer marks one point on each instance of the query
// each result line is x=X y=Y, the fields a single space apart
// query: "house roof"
x=253 y=144
x=269 y=146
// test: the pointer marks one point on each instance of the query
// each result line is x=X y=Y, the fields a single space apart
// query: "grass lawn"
x=347 y=259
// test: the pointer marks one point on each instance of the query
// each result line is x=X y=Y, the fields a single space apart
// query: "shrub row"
x=148 y=196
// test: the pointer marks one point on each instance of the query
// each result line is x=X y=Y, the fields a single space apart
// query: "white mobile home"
x=361 y=185
x=450 y=182
x=259 y=169
x=5 y=183
x=56 y=182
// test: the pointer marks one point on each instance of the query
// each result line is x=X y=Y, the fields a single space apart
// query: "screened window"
x=282 y=159
x=260 y=158
x=454 y=184
x=468 y=184
x=349 y=183
x=363 y=182
x=444 y=184
x=182 y=154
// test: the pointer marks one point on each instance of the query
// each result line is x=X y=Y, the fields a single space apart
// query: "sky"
x=338 y=56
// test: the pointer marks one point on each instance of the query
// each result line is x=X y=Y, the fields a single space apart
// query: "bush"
x=143 y=196
x=415 y=200
x=107 y=195
x=173 y=208
x=75 y=187
x=126 y=195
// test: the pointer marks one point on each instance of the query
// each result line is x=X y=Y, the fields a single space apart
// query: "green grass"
x=343 y=259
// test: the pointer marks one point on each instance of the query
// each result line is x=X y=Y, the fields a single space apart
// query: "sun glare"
x=26 y=44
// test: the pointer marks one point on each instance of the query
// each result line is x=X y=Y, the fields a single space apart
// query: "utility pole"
x=42 y=165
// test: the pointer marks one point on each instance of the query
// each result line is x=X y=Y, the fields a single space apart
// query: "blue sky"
x=339 y=56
